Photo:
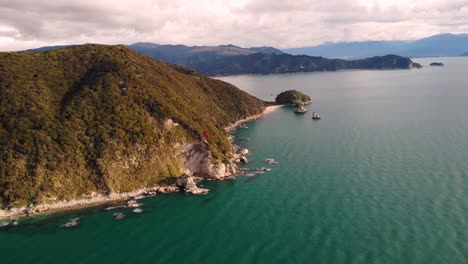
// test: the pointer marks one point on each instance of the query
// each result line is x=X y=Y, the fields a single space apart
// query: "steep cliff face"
x=199 y=162
x=106 y=119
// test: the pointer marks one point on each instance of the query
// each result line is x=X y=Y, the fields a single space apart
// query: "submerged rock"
x=271 y=161
x=72 y=223
x=118 y=216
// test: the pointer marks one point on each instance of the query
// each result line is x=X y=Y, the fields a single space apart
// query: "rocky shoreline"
x=186 y=182
x=86 y=202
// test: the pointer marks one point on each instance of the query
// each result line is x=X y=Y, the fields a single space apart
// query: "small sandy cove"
x=267 y=110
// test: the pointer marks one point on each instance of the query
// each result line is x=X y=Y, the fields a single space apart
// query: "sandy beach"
x=271 y=108
x=266 y=111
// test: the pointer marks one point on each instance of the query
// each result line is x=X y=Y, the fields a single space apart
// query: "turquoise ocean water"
x=382 y=178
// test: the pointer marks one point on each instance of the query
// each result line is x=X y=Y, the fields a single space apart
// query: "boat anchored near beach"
x=316 y=116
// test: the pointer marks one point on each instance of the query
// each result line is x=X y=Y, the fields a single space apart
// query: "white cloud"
x=33 y=23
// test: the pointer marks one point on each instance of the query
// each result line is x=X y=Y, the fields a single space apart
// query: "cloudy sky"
x=33 y=23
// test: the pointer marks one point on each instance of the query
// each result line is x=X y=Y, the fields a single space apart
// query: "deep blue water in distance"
x=380 y=179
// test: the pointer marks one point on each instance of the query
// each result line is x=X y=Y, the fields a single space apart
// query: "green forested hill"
x=91 y=119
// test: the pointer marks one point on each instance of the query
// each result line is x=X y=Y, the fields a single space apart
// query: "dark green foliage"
x=91 y=119
x=291 y=97
x=261 y=63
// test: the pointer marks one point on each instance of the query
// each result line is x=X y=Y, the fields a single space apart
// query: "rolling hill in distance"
x=433 y=46
x=232 y=60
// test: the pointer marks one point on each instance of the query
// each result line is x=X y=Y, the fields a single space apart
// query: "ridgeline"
x=230 y=60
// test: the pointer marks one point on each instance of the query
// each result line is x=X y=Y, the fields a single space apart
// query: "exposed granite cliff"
x=199 y=162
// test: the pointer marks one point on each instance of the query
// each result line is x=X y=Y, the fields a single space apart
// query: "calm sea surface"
x=382 y=178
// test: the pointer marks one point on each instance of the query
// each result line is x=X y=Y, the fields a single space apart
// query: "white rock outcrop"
x=198 y=161
x=244 y=152
x=187 y=183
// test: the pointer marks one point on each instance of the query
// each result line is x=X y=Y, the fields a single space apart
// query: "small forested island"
x=292 y=98
x=94 y=121
x=436 y=64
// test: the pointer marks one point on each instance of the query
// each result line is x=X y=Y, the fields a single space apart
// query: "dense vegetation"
x=92 y=119
x=292 y=97
x=261 y=63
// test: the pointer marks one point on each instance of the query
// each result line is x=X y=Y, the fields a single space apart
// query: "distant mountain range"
x=230 y=59
x=438 y=45
x=194 y=55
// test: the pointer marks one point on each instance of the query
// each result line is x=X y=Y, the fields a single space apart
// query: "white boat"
x=316 y=115
x=138 y=210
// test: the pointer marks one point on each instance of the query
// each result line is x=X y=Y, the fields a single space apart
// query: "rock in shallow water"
x=187 y=183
